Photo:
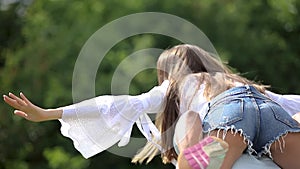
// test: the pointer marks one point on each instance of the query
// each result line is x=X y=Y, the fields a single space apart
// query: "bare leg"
x=236 y=147
x=192 y=135
x=182 y=162
x=286 y=154
x=188 y=132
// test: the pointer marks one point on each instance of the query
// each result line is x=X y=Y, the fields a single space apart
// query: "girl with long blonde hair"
x=202 y=108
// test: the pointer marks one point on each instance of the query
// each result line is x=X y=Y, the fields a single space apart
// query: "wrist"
x=52 y=114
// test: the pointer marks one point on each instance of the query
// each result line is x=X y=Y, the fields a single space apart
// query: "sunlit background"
x=40 y=42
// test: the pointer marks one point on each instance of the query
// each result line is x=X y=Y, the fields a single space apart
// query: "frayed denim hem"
x=234 y=131
x=266 y=149
x=281 y=143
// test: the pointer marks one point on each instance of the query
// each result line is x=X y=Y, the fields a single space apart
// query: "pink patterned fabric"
x=196 y=156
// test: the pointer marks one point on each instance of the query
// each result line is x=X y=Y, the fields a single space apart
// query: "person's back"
x=234 y=110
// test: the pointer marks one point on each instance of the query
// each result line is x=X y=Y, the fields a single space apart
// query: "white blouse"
x=96 y=124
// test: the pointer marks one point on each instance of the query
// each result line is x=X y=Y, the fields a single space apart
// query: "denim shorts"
x=244 y=110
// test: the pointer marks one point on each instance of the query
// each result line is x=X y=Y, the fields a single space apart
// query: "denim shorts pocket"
x=224 y=113
x=281 y=115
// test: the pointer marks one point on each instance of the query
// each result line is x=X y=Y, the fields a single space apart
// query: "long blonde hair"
x=175 y=64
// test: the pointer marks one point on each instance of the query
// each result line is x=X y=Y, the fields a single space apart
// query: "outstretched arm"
x=24 y=108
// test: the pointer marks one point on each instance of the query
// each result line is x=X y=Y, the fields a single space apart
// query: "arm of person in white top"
x=95 y=124
x=24 y=108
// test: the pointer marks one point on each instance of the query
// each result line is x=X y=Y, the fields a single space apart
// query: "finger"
x=25 y=98
x=11 y=102
x=20 y=101
x=20 y=113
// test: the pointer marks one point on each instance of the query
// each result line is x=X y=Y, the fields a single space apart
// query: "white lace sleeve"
x=291 y=103
x=96 y=124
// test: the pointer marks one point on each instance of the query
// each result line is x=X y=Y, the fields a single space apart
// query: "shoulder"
x=191 y=82
x=192 y=78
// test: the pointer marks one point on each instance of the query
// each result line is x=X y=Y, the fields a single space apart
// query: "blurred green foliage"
x=40 y=41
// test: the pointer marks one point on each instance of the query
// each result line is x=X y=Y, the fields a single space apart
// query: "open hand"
x=24 y=108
